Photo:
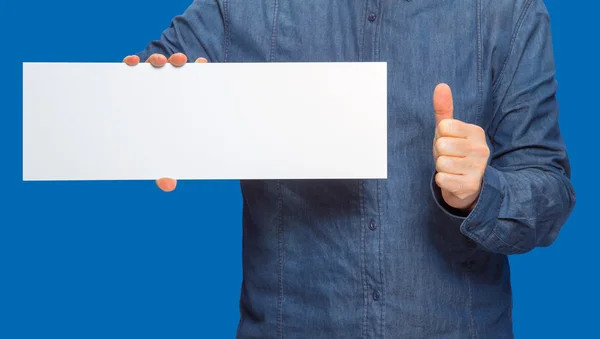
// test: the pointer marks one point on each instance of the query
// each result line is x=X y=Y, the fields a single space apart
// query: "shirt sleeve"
x=526 y=195
x=198 y=32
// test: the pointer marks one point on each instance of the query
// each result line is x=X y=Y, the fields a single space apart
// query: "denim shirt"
x=388 y=258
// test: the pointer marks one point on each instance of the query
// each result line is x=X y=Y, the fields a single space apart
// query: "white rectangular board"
x=110 y=121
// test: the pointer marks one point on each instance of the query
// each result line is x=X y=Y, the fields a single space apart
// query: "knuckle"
x=442 y=163
x=448 y=162
x=442 y=145
x=480 y=150
x=440 y=179
x=479 y=130
x=445 y=127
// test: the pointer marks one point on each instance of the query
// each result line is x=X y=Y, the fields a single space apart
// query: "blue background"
x=124 y=260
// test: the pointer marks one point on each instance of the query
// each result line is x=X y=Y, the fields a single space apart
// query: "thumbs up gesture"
x=460 y=152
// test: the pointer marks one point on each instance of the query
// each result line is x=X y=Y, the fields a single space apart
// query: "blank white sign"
x=110 y=121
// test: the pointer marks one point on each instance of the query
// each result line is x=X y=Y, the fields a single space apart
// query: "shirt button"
x=372 y=17
x=376 y=295
x=372 y=225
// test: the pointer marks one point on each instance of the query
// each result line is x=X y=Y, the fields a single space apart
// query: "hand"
x=159 y=60
x=460 y=152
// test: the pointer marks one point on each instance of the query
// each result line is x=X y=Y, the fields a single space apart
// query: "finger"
x=166 y=184
x=454 y=165
x=177 y=59
x=454 y=147
x=454 y=129
x=157 y=60
x=201 y=61
x=132 y=60
x=443 y=106
x=453 y=183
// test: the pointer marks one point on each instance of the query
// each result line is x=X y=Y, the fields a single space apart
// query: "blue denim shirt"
x=388 y=258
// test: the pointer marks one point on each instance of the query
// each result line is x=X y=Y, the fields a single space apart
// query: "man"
x=474 y=175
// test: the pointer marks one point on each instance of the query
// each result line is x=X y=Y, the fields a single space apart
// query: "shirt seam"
x=226 y=29
x=377 y=42
x=470 y=303
x=513 y=41
x=512 y=247
x=377 y=56
x=274 y=30
x=381 y=260
x=363 y=260
x=281 y=260
x=478 y=16
x=361 y=52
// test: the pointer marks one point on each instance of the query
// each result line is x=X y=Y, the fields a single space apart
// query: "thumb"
x=443 y=106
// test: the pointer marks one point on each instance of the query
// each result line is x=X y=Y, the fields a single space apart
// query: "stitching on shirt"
x=512 y=45
x=274 y=30
x=363 y=262
x=226 y=29
x=381 y=238
x=481 y=239
x=377 y=45
x=513 y=247
x=377 y=53
x=361 y=45
x=497 y=125
x=470 y=288
x=281 y=260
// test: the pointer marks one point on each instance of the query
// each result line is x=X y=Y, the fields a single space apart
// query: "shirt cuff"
x=480 y=222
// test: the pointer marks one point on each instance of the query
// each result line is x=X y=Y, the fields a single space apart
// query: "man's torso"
x=374 y=258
